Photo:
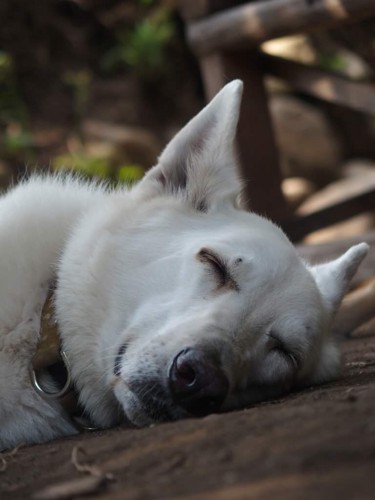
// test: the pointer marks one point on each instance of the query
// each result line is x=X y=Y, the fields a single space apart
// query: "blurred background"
x=99 y=87
x=90 y=85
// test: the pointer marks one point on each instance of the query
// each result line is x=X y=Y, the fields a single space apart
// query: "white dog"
x=170 y=301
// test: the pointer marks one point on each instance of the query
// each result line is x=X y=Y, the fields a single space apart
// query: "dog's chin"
x=142 y=412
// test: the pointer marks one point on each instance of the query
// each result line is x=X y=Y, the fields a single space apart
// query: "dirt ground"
x=316 y=443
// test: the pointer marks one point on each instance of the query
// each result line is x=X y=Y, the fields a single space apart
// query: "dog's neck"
x=50 y=365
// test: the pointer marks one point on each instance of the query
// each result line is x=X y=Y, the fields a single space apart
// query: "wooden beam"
x=194 y=9
x=357 y=308
x=324 y=252
x=256 y=22
x=258 y=157
x=358 y=38
x=300 y=226
x=323 y=84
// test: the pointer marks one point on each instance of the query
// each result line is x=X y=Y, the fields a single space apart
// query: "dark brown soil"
x=317 y=443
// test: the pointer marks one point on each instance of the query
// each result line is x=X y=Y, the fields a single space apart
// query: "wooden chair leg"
x=257 y=151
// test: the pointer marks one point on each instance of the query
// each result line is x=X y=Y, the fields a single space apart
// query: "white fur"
x=128 y=272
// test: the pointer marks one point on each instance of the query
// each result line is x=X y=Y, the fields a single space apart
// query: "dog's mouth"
x=152 y=398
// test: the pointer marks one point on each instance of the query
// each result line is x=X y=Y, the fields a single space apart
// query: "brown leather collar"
x=48 y=351
x=50 y=359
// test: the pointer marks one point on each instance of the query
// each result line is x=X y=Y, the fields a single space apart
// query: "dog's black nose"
x=196 y=383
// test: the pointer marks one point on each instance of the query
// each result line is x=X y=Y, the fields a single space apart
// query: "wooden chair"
x=225 y=37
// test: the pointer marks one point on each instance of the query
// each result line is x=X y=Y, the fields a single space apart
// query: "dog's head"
x=210 y=308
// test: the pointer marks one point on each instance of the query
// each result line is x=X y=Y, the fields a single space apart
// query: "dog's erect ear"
x=333 y=278
x=199 y=163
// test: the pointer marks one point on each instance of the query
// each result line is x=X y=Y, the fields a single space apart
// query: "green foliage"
x=332 y=61
x=83 y=163
x=99 y=167
x=12 y=108
x=17 y=141
x=147 y=3
x=79 y=83
x=128 y=174
x=143 y=48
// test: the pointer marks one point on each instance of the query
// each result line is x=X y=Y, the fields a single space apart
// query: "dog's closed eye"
x=278 y=345
x=218 y=267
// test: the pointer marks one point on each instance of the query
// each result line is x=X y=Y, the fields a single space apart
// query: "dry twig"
x=8 y=454
x=73 y=488
x=93 y=470
x=89 y=484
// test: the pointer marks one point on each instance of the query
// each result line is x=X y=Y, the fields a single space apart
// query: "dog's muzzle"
x=197 y=383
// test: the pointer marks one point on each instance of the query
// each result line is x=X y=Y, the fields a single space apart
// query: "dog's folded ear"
x=333 y=278
x=199 y=164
